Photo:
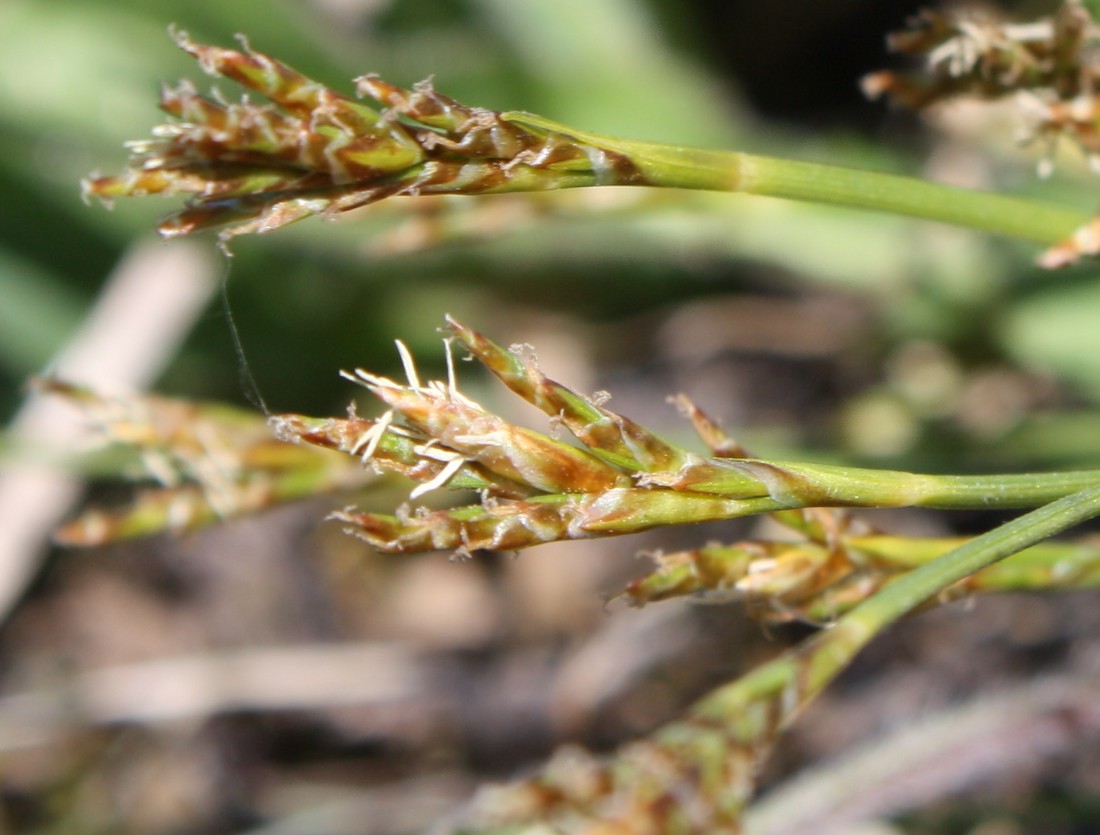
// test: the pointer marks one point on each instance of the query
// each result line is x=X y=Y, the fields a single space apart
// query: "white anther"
x=440 y=479
x=408 y=364
x=369 y=440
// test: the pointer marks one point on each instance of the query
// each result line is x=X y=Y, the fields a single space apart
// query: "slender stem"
x=796 y=484
x=814 y=182
x=957 y=492
x=952 y=492
x=873 y=190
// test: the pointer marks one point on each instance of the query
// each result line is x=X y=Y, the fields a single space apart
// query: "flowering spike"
x=972 y=53
x=397 y=449
x=1050 y=67
x=817 y=582
x=513 y=452
x=615 y=438
x=211 y=461
x=183 y=508
x=311 y=150
x=535 y=489
x=548 y=518
x=775 y=578
x=714 y=570
x=510 y=526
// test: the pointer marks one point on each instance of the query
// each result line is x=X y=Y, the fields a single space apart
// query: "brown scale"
x=286 y=87
x=313 y=151
x=257 y=135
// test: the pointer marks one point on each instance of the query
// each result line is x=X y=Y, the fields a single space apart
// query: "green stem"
x=949 y=492
x=858 y=188
x=795 y=484
x=680 y=167
x=873 y=190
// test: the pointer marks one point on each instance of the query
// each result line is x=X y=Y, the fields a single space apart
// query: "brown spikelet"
x=311 y=150
x=210 y=462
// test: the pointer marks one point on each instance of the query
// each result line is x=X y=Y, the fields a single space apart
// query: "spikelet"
x=1050 y=67
x=533 y=488
x=310 y=150
x=203 y=462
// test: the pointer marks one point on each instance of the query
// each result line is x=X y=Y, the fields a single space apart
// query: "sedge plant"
x=251 y=167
